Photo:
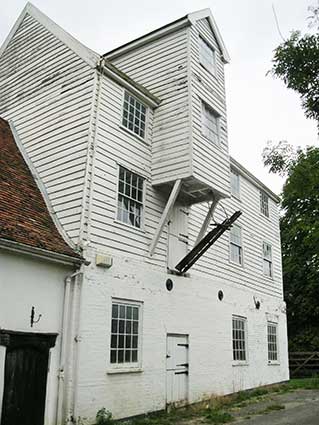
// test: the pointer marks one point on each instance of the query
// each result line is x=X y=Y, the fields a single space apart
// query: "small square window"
x=235 y=183
x=134 y=115
x=125 y=333
x=236 y=250
x=210 y=124
x=272 y=331
x=207 y=56
x=130 y=198
x=267 y=260
x=264 y=204
x=239 y=339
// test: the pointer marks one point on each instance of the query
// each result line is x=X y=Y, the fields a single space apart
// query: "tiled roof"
x=24 y=217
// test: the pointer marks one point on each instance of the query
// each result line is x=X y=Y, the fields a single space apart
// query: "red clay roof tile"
x=24 y=217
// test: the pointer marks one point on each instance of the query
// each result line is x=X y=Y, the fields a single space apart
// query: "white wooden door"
x=177 y=235
x=177 y=369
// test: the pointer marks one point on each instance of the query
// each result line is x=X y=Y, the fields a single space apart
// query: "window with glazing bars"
x=210 y=124
x=125 y=332
x=134 y=115
x=267 y=259
x=239 y=339
x=264 y=203
x=207 y=56
x=236 y=250
x=272 y=342
x=130 y=197
x=235 y=184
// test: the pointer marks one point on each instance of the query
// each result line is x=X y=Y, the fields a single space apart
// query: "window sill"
x=235 y=197
x=269 y=278
x=213 y=74
x=265 y=217
x=240 y=266
x=119 y=224
x=273 y=363
x=136 y=136
x=240 y=363
x=218 y=145
x=114 y=371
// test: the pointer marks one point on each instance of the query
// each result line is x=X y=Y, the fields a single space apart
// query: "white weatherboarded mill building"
x=132 y=149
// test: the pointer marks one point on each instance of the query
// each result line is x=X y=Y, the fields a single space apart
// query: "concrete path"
x=301 y=407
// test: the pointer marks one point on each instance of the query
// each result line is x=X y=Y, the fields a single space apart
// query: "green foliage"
x=300 y=247
x=216 y=416
x=296 y=62
x=104 y=417
x=273 y=407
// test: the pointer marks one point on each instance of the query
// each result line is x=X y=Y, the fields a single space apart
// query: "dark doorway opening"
x=25 y=376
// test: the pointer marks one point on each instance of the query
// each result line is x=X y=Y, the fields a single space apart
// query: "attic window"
x=134 y=115
x=207 y=56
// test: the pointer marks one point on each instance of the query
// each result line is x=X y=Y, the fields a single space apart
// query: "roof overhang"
x=187 y=20
x=41 y=253
x=108 y=69
x=249 y=176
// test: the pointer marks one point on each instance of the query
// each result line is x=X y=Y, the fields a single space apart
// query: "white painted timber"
x=46 y=90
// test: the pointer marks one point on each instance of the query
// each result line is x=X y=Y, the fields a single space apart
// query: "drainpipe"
x=64 y=341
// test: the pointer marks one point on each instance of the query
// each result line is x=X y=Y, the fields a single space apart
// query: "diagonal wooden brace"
x=168 y=208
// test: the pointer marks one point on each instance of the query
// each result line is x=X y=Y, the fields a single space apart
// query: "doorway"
x=177 y=369
x=25 y=377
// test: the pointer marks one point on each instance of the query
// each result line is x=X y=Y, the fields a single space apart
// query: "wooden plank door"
x=25 y=379
x=177 y=370
x=177 y=235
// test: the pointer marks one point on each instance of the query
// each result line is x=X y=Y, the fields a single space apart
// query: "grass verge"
x=217 y=410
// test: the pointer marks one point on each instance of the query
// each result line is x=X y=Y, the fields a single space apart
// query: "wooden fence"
x=303 y=364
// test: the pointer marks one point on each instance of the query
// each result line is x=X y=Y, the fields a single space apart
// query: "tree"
x=300 y=240
x=296 y=62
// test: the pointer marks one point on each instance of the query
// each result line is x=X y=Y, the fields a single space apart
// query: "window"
x=134 y=115
x=264 y=207
x=239 y=339
x=236 y=251
x=207 y=56
x=267 y=259
x=234 y=184
x=272 y=342
x=125 y=335
x=130 y=198
x=210 y=124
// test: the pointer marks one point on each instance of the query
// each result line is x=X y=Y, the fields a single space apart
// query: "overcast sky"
x=259 y=107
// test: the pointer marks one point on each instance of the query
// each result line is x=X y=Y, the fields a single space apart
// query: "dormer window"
x=134 y=115
x=210 y=124
x=207 y=56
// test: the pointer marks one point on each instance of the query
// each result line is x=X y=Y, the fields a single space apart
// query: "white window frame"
x=116 y=366
x=209 y=65
x=231 y=243
x=268 y=261
x=235 y=193
x=126 y=128
x=205 y=128
x=130 y=198
x=264 y=203
x=272 y=345
x=237 y=346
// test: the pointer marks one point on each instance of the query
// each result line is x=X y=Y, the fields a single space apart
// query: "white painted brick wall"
x=192 y=308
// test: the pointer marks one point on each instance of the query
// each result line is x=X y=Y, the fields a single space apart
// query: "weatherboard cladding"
x=47 y=89
x=56 y=120
x=211 y=89
x=24 y=217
